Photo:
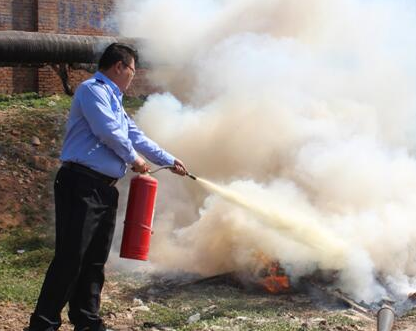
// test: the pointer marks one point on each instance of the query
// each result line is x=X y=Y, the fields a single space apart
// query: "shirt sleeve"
x=148 y=147
x=96 y=108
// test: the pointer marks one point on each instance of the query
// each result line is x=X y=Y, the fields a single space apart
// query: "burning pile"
x=273 y=279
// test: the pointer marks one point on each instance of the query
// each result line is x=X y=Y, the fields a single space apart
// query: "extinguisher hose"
x=156 y=170
x=170 y=167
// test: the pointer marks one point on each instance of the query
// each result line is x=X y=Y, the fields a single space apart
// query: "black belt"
x=110 y=181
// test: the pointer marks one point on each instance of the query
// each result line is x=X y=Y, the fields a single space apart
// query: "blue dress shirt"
x=100 y=134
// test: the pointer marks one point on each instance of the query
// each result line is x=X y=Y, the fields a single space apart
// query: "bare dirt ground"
x=29 y=147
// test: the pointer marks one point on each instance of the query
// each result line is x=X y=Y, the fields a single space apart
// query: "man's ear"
x=118 y=67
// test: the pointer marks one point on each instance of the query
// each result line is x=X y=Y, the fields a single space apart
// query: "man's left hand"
x=179 y=168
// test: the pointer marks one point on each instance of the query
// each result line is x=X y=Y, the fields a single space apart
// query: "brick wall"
x=18 y=15
x=6 y=81
x=84 y=17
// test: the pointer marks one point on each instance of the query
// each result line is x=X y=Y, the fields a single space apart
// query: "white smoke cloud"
x=306 y=109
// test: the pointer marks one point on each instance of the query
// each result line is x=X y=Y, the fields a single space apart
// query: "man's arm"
x=152 y=151
x=148 y=147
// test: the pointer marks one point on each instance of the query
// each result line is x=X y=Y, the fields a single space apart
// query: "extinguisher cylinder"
x=139 y=218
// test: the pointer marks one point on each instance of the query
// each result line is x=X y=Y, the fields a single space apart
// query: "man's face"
x=125 y=74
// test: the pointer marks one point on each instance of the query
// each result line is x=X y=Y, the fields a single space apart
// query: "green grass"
x=223 y=316
x=54 y=102
x=31 y=115
x=223 y=307
x=21 y=274
x=339 y=319
x=34 y=100
x=164 y=315
x=220 y=308
x=410 y=313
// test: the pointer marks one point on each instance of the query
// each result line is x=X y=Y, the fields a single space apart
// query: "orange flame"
x=274 y=281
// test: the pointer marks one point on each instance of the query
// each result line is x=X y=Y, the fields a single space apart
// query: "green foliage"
x=24 y=257
x=132 y=104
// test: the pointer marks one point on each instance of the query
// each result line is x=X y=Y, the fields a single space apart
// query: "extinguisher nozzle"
x=191 y=176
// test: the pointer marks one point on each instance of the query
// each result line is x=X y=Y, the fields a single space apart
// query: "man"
x=100 y=142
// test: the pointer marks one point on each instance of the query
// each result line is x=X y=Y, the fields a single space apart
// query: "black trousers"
x=85 y=210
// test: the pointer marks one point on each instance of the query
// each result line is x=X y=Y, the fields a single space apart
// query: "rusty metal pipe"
x=385 y=318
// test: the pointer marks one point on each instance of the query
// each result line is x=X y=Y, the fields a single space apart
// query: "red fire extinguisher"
x=139 y=218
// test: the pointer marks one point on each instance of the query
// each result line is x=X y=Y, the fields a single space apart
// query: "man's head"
x=118 y=63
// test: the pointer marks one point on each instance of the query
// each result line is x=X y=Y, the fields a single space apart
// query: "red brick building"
x=84 y=17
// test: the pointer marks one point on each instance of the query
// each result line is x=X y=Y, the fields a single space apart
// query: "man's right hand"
x=140 y=165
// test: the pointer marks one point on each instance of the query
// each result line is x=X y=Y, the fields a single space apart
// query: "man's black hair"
x=117 y=52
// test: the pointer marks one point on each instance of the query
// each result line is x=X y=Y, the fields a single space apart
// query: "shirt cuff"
x=132 y=157
x=169 y=159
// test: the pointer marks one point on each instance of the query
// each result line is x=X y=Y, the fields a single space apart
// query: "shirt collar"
x=108 y=81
